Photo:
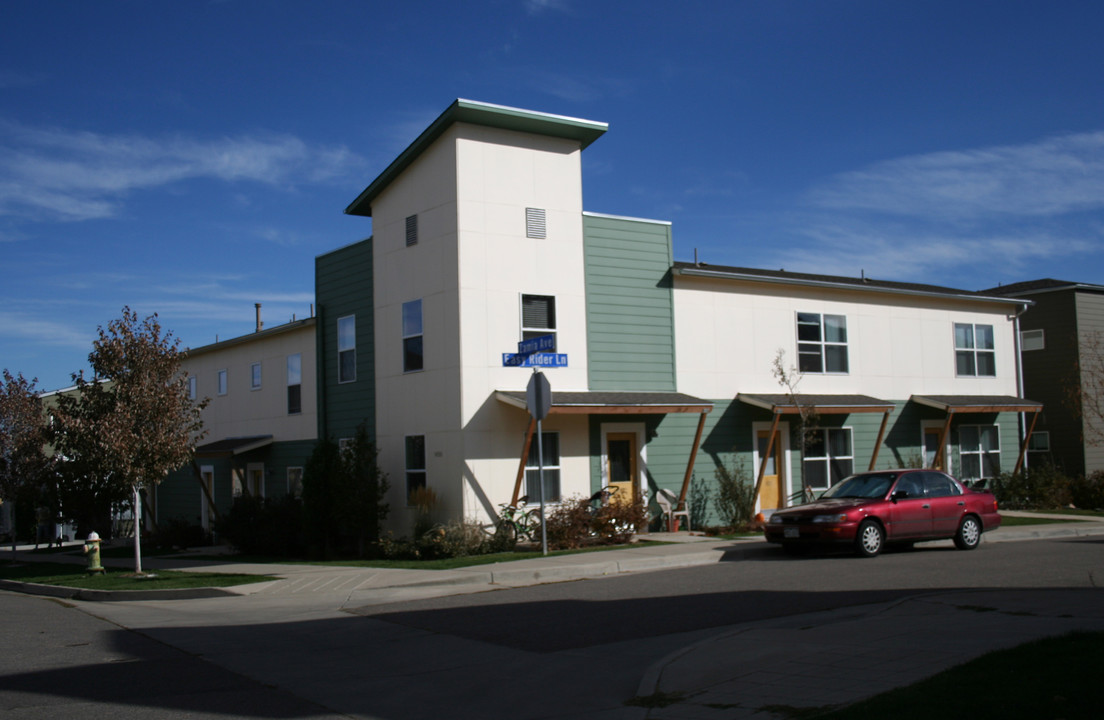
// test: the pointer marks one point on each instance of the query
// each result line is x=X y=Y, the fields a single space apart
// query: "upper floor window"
x=346 y=349
x=821 y=343
x=255 y=376
x=1032 y=340
x=412 y=230
x=294 y=384
x=535 y=226
x=192 y=387
x=412 y=336
x=975 y=354
x=222 y=382
x=538 y=316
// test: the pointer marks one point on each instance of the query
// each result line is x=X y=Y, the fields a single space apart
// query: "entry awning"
x=978 y=403
x=613 y=403
x=228 y=447
x=783 y=404
x=961 y=404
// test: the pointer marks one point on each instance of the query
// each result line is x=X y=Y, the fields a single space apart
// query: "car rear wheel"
x=968 y=536
x=870 y=539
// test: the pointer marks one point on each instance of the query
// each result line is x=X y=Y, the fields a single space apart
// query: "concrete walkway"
x=817 y=659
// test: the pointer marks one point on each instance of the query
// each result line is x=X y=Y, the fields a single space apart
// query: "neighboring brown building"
x=1055 y=335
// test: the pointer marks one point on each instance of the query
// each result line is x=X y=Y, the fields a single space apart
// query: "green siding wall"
x=630 y=308
x=343 y=286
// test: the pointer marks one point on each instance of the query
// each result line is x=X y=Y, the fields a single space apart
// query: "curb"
x=70 y=593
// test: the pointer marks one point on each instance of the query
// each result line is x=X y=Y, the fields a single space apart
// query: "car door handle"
x=960 y=502
x=925 y=506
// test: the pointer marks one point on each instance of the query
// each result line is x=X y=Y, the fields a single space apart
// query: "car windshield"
x=861 y=486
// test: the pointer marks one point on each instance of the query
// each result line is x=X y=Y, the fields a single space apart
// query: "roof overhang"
x=229 y=447
x=612 y=403
x=487 y=115
x=952 y=404
x=783 y=404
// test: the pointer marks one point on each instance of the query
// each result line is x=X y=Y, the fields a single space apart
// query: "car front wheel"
x=870 y=539
x=968 y=536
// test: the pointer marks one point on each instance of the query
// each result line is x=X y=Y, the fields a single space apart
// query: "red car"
x=871 y=509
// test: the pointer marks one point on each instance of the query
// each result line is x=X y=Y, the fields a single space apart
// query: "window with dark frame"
x=294 y=384
x=346 y=349
x=415 y=464
x=255 y=376
x=413 y=358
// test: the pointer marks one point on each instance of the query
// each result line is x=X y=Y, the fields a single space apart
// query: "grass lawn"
x=1051 y=678
x=47 y=573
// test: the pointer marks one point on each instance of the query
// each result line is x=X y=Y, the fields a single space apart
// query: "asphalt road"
x=566 y=650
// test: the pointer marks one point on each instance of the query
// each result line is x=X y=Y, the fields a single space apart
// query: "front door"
x=931 y=448
x=621 y=469
x=770 y=492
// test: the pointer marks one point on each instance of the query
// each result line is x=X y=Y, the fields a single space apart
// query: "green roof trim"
x=488 y=115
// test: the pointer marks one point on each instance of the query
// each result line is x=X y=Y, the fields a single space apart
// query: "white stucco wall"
x=729 y=332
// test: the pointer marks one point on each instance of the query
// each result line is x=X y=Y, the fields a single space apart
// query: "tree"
x=24 y=466
x=1085 y=388
x=807 y=431
x=130 y=425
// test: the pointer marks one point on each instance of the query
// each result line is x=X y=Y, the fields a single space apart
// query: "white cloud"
x=78 y=175
x=1051 y=177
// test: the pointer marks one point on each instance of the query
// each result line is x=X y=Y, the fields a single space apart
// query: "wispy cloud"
x=536 y=7
x=1051 y=177
x=76 y=175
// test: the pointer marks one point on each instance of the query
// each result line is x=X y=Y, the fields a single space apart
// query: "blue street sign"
x=538 y=344
x=554 y=360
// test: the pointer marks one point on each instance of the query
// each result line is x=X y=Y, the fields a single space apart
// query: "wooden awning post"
x=937 y=464
x=524 y=458
x=690 y=465
x=881 y=437
x=1023 y=445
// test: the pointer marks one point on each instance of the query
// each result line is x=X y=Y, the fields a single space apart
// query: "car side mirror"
x=899 y=495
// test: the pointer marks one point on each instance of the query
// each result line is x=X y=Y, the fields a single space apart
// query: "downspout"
x=1019 y=377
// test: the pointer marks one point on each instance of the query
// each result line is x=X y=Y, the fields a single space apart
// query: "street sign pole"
x=538 y=397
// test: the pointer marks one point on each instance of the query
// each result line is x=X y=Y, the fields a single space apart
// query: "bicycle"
x=517 y=523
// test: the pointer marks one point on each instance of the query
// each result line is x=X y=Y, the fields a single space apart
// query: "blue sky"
x=192 y=158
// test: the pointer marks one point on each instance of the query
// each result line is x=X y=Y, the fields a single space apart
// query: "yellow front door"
x=770 y=492
x=621 y=465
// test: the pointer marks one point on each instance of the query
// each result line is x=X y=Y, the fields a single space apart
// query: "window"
x=255 y=376
x=975 y=355
x=821 y=343
x=295 y=482
x=535 y=226
x=221 y=382
x=1039 y=441
x=828 y=458
x=294 y=384
x=415 y=463
x=412 y=230
x=939 y=485
x=551 y=446
x=191 y=388
x=1032 y=340
x=538 y=317
x=979 y=451
x=412 y=336
x=346 y=349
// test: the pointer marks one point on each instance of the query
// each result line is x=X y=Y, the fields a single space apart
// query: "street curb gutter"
x=69 y=593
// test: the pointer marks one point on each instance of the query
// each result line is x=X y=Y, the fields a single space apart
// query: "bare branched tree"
x=807 y=433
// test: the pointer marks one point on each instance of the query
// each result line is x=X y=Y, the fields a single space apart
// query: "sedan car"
x=871 y=509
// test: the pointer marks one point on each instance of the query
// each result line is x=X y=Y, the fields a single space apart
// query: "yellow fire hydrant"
x=92 y=550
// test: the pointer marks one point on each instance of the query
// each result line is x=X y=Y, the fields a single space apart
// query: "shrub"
x=735 y=498
x=259 y=526
x=458 y=539
x=1087 y=493
x=578 y=522
x=179 y=533
x=1037 y=488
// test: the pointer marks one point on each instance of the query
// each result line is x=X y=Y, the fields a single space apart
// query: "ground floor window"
x=829 y=457
x=295 y=481
x=551 y=444
x=979 y=451
x=415 y=463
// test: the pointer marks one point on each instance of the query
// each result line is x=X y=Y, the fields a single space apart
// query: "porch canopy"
x=611 y=403
x=225 y=448
x=958 y=404
x=785 y=404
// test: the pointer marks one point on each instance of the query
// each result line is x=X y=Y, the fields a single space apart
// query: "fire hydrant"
x=92 y=550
